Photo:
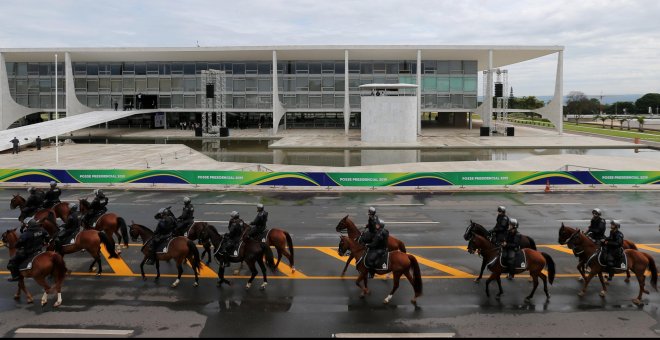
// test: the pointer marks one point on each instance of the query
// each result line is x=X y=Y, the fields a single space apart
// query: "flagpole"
x=57 y=116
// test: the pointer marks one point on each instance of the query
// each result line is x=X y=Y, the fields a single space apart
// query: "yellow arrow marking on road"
x=562 y=249
x=117 y=264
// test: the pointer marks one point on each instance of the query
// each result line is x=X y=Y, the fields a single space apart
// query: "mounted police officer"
x=231 y=239
x=30 y=242
x=165 y=228
x=377 y=247
x=259 y=223
x=510 y=246
x=32 y=204
x=372 y=219
x=498 y=233
x=97 y=207
x=52 y=196
x=68 y=229
x=613 y=247
x=186 y=219
x=597 y=226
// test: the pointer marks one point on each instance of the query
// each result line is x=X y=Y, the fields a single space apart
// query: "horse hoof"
x=93 y=269
x=293 y=270
x=175 y=284
x=580 y=279
x=263 y=286
x=196 y=284
x=386 y=301
x=477 y=280
x=247 y=286
x=497 y=297
x=144 y=278
x=16 y=297
x=98 y=274
x=414 y=302
x=626 y=280
x=57 y=304
x=636 y=302
x=29 y=300
x=362 y=296
x=528 y=300
x=602 y=293
x=646 y=291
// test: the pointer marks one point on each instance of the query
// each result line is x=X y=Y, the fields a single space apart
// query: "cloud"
x=610 y=46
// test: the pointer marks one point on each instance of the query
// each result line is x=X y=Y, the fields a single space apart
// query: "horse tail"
x=532 y=244
x=124 y=229
x=417 y=275
x=109 y=244
x=193 y=256
x=654 y=271
x=551 y=267
x=289 y=243
x=268 y=253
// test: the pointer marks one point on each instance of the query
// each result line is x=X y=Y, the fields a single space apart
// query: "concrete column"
x=278 y=109
x=10 y=110
x=488 y=97
x=347 y=102
x=419 y=92
x=559 y=90
x=73 y=105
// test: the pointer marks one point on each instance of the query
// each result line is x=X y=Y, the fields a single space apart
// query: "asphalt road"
x=317 y=302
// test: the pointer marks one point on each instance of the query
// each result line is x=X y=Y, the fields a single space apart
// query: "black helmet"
x=161 y=211
x=381 y=223
x=98 y=192
x=53 y=184
x=501 y=208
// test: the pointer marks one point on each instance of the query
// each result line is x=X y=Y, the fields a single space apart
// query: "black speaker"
x=509 y=131
x=484 y=131
x=198 y=132
x=224 y=132
x=499 y=90
x=210 y=90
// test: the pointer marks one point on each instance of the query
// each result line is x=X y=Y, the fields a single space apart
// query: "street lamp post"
x=57 y=144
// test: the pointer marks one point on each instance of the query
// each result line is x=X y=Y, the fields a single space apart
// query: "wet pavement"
x=317 y=302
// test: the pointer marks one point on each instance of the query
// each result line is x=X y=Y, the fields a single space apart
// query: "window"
x=442 y=67
x=140 y=69
x=353 y=67
x=315 y=68
x=366 y=67
x=44 y=85
x=238 y=102
x=328 y=100
x=152 y=68
x=469 y=66
x=264 y=84
x=239 y=85
x=264 y=68
x=302 y=84
x=80 y=84
x=429 y=83
x=92 y=85
x=339 y=101
x=152 y=84
x=115 y=69
x=177 y=85
x=314 y=84
x=456 y=100
x=177 y=101
x=140 y=84
x=33 y=69
x=45 y=101
x=340 y=67
x=189 y=85
x=177 y=68
x=165 y=68
x=456 y=84
x=44 y=70
x=327 y=67
x=79 y=68
x=251 y=84
x=428 y=66
x=165 y=102
x=104 y=84
x=238 y=68
x=470 y=84
x=129 y=84
x=251 y=68
x=189 y=101
x=189 y=68
x=443 y=84
x=251 y=101
x=129 y=68
x=21 y=69
x=455 y=66
x=115 y=85
x=339 y=84
x=302 y=101
x=314 y=101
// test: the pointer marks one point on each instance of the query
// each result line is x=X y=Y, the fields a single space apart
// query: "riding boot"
x=151 y=260
x=611 y=273
x=372 y=273
x=15 y=275
x=58 y=247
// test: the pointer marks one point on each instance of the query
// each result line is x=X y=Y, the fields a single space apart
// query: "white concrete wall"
x=389 y=119
x=382 y=157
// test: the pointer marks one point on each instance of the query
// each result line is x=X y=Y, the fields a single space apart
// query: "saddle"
x=519 y=261
x=620 y=262
x=69 y=241
x=27 y=264
x=162 y=246
x=382 y=262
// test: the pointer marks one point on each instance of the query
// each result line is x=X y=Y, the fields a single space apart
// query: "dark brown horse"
x=637 y=261
x=195 y=232
x=474 y=227
x=47 y=217
x=354 y=233
x=180 y=248
x=565 y=232
x=250 y=251
x=399 y=264
x=536 y=261
x=90 y=241
x=46 y=264
x=110 y=223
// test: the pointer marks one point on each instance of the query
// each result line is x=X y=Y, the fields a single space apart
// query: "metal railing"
x=167 y=157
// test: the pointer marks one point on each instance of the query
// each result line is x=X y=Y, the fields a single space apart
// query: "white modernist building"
x=289 y=86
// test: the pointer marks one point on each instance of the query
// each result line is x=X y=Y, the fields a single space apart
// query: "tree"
x=621 y=121
x=603 y=118
x=651 y=100
x=616 y=108
x=640 y=120
x=611 y=118
x=578 y=104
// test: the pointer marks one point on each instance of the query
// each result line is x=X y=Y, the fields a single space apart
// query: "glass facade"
x=313 y=84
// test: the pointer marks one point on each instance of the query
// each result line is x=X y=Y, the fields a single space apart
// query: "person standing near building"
x=262 y=120
x=38 y=142
x=15 y=148
x=116 y=105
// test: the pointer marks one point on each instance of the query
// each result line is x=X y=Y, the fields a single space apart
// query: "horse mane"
x=143 y=227
x=212 y=228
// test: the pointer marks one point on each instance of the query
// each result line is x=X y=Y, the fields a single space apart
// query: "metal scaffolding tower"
x=215 y=117
x=502 y=82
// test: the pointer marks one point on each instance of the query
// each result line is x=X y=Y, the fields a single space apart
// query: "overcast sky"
x=611 y=46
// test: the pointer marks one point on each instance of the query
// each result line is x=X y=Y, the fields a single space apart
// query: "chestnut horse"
x=565 y=232
x=110 y=223
x=180 y=248
x=90 y=241
x=638 y=262
x=353 y=232
x=400 y=263
x=536 y=261
x=195 y=232
x=45 y=264
x=61 y=209
x=47 y=217
x=474 y=227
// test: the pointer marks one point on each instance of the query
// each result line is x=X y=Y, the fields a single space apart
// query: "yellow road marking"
x=646 y=247
x=449 y=270
x=205 y=271
x=332 y=252
x=117 y=264
x=286 y=270
x=560 y=248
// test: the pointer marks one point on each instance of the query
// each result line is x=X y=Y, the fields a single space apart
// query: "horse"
x=353 y=232
x=536 y=261
x=110 y=223
x=61 y=209
x=474 y=227
x=400 y=263
x=195 y=232
x=45 y=264
x=179 y=249
x=90 y=241
x=47 y=217
x=565 y=232
x=637 y=261
x=249 y=250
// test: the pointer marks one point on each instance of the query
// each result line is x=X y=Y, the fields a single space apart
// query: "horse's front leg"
x=481 y=272
x=350 y=258
x=586 y=283
x=157 y=268
x=144 y=259
x=358 y=282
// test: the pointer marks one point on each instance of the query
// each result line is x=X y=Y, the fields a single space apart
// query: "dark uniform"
x=597 y=228
x=68 y=230
x=512 y=246
x=52 y=196
x=186 y=219
x=165 y=228
x=498 y=233
x=376 y=248
x=29 y=243
x=32 y=204
x=15 y=143
x=614 y=250
x=97 y=208
x=259 y=224
x=231 y=239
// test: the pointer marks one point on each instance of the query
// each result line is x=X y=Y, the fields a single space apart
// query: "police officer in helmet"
x=511 y=245
x=377 y=248
x=613 y=247
x=187 y=217
x=597 y=226
x=165 y=228
x=29 y=243
x=69 y=229
x=231 y=239
x=498 y=233
x=259 y=223
x=52 y=196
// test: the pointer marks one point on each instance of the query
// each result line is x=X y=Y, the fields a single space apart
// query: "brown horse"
x=90 y=241
x=47 y=217
x=637 y=261
x=249 y=251
x=180 y=248
x=565 y=232
x=195 y=232
x=536 y=261
x=46 y=264
x=399 y=264
x=353 y=232
x=110 y=223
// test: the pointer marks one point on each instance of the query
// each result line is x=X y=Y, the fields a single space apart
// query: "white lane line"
x=230 y=203
x=413 y=222
x=214 y=221
x=9 y=218
x=326 y=198
x=115 y=332
x=395 y=204
x=555 y=203
x=393 y=335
